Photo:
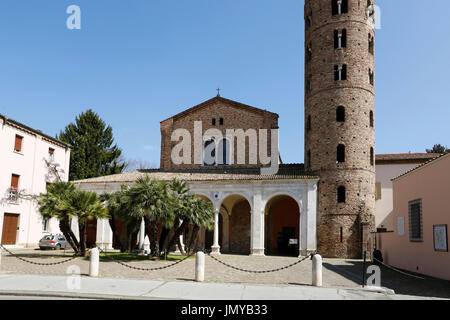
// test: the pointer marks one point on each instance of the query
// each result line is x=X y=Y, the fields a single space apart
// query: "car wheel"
x=58 y=247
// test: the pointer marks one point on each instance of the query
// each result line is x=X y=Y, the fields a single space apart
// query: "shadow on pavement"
x=400 y=283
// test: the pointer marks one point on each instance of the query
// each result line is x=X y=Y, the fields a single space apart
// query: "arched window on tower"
x=372 y=157
x=340 y=153
x=340 y=72
x=340 y=39
x=371 y=118
x=339 y=7
x=341 y=194
x=340 y=114
x=371 y=44
x=309 y=52
x=308 y=124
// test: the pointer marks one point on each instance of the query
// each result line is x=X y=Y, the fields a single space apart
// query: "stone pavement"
x=107 y=288
x=337 y=273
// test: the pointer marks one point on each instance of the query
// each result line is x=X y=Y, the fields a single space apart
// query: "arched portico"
x=282 y=226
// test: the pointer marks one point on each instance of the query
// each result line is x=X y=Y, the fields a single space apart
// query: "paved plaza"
x=337 y=273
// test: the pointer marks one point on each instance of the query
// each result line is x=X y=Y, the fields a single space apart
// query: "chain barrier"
x=399 y=271
x=37 y=263
x=261 y=271
x=147 y=269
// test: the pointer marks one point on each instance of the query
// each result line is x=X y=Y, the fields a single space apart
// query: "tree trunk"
x=181 y=247
x=68 y=233
x=162 y=239
x=83 y=232
x=179 y=231
x=154 y=241
x=116 y=238
x=194 y=235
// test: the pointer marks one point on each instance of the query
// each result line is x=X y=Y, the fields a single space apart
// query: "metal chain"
x=147 y=269
x=263 y=271
x=37 y=263
x=395 y=269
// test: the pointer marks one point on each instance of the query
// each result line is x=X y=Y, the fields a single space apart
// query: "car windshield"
x=47 y=237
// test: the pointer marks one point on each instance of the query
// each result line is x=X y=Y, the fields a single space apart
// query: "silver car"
x=54 y=241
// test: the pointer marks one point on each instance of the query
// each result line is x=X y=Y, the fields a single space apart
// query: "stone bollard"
x=317 y=270
x=199 y=266
x=94 y=262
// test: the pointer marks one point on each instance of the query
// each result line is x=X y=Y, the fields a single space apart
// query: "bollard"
x=199 y=266
x=94 y=262
x=317 y=271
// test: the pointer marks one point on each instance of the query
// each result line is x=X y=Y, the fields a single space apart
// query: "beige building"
x=420 y=220
x=25 y=153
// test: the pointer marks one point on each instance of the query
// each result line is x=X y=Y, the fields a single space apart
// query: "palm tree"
x=151 y=199
x=48 y=207
x=202 y=217
x=65 y=202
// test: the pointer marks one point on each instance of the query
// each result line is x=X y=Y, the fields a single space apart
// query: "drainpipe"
x=32 y=190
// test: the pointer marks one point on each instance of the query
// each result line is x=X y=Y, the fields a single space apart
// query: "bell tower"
x=339 y=121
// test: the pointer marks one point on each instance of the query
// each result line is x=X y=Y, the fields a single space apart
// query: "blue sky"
x=138 y=62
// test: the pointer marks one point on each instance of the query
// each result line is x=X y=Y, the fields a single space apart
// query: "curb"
x=87 y=296
x=386 y=291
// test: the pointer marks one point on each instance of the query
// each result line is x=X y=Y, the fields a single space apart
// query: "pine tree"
x=94 y=153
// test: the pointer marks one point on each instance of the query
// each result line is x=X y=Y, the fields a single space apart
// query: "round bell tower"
x=339 y=121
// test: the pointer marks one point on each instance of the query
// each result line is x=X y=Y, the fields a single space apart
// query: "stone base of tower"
x=345 y=236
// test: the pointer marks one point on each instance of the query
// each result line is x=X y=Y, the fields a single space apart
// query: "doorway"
x=10 y=226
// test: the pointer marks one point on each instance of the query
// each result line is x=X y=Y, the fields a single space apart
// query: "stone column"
x=104 y=238
x=308 y=220
x=215 y=249
x=257 y=226
x=141 y=235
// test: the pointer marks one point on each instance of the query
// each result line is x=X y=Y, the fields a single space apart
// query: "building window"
x=221 y=121
x=340 y=73
x=341 y=234
x=309 y=84
x=340 y=39
x=371 y=118
x=415 y=221
x=378 y=191
x=309 y=52
x=14 y=189
x=213 y=122
x=339 y=7
x=308 y=124
x=340 y=114
x=340 y=153
x=341 y=194
x=308 y=21
x=372 y=160
x=371 y=77
x=51 y=154
x=371 y=44
x=18 y=143
x=209 y=153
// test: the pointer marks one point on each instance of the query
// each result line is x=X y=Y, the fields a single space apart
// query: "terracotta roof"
x=286 y=171
x=219 y=98
x=439 y=157
x=16 y=124
x=411 y=157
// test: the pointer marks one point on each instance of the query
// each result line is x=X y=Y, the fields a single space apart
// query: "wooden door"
x=10 y=224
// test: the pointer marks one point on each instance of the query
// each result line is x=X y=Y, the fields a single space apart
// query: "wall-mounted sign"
x=440 y=238
x=293 y=241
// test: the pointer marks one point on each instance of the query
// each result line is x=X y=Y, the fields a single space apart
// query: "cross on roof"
x=218 y=92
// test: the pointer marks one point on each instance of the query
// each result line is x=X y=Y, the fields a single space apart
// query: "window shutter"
x=18 y=143
x=334 y=7
x=15 y=181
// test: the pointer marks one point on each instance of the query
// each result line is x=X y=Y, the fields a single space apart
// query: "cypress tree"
x=94 y=153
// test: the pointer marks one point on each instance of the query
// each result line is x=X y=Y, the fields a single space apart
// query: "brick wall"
x=240 y=221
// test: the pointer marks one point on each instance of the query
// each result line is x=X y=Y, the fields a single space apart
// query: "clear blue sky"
x=138 y=62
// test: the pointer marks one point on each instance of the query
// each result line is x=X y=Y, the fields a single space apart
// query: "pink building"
x=24 y=154
x=420 y=220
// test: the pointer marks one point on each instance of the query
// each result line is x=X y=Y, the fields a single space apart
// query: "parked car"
x=53 y=241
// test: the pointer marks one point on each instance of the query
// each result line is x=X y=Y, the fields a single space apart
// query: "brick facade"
x=342 y=227
x=235 y=116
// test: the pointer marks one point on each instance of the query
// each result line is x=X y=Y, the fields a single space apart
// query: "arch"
x=282 y=224
x=340 y=153
x=340 y=114
x=238 y=209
